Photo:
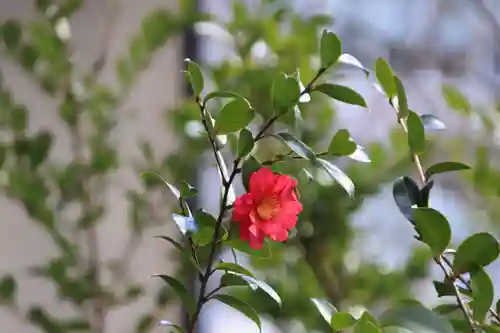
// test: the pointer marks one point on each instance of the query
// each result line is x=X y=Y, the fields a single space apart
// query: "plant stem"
x=439 y=260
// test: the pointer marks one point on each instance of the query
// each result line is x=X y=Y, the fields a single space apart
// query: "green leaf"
x=433 y=229
x=341 y=93
x=286 y=91
x=11 y=33
x=220 y=94
x=181 y=291
x=241 y=306
x=195 y=77
x=187 y=190
x=242 y=246
x=482 y=293
x=233 y=280
x=28 y=57
x=416 y=318
x=444 y=167
x=250 y=165
x=385 y=77
x=480 y=249
x=205 y=228
x=444 y=288
x=8 y=288
x=3 y=155
x=338 y=175
x=416 y=133
x=172 y=241
x=341 y=144
x=350 y=60
x=497 y=306
x=432 y=123
x=401 y=102
x=342 y=320
x=444 y=309
x=40 y=147
x=455 y=99
x=185 y=254
x=366 y=327
x=232 y=267
x=296 y=145
x=325 y=308
x=234 y=116
x=245 y=143
x=330 y=49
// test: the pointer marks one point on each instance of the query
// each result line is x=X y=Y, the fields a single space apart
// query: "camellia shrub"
x=269 y=209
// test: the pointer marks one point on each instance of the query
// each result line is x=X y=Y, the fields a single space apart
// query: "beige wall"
x=142 y=116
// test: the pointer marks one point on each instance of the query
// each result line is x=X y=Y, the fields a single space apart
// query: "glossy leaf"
x=432 y=123
x=400 y=102
x=325 y=308
x=482 y=293
x=186 y=224
x=296 y=145
x=406 y=194
x=241 y=306
x=232 y=267
x=167 y=323
x=234 y=116
x=181 y=291
x=480 y=249
x=433 y=229
x=286 y=91
x=443 y=167
x=330 y=49
x=342 y=320
x=338 y=175
x=352 y=61
x=385 y=77
x=195 y=76
x=416 y=133
x=250 y=165
x=341 y=93
x=220 y=94
x=416 y=318
x=342 y=144
x=245 y=143
x=360 y=155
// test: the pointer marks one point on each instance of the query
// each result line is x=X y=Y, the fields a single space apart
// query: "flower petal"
x=261 y=183
x=243 y=205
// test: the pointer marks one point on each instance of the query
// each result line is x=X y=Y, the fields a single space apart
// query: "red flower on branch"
x=270 y=208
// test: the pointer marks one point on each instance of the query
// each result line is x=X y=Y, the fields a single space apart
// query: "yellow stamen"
x=268 y=208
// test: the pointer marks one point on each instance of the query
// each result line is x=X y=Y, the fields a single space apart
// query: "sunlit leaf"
x=245 y=143
x=443 y=167
x=195 y=76
x=325 y=308
x=330 y=49
x=338 y=175
x=234 y=116
x=352 y=61
x=400 y=102
x=220 y=94
x=482 y=293
x=342 y=320
x=296 y=145
x=416 y=318
x=341 y=93
x=455 y=99
x=432 y=123
x=479 y=249
x=416 y=133
x=385 y=77
x=342 y=144
x=433 y=229
x=233 y=267
x=286 y=91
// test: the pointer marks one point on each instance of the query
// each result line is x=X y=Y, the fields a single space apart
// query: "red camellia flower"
x=270 y=208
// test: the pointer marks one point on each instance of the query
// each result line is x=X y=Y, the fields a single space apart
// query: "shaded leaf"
x=195 y=77
x=444 y=288
x=250 y=165
x=258 y=284
x=172 y=241
x=416 y=318
x=385 y=77
x=432 y=123
x=241 y=306
x=400 y=102
x=341 y=93
x=482 y=293
x=338 y=175
x=443 y=167
x=181 y=291
x=480 y=249
x=330 y=49
x=234 y=116
x=433 y=229
x=11 y=33
x=416 y=133
x=406 y=194
x=220 y=94
x=245 y=143
x=8 y=288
